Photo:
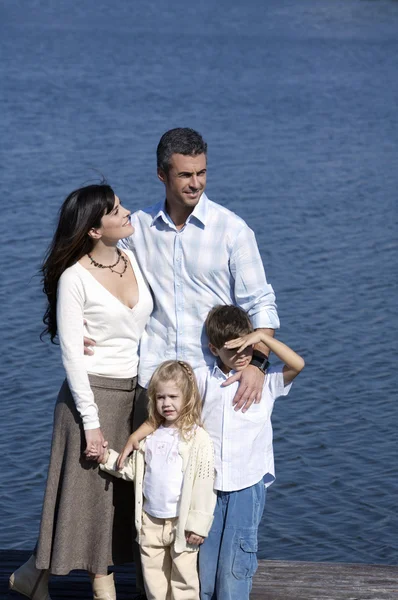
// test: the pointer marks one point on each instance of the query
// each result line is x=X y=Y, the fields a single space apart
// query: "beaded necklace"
x=111 y=267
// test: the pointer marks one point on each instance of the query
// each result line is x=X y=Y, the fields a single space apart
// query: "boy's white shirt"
x=198 y=498
x=242 y=441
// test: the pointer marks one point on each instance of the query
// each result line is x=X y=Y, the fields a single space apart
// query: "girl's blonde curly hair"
x=182 y=374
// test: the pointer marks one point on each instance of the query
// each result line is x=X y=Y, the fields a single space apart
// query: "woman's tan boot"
x=104 y=588
x=30 y=582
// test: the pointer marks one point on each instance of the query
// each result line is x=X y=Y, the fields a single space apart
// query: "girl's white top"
x=163 y=473
x=87 y=308
x=198 y=498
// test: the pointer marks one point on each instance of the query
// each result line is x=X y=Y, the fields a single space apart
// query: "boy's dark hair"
x=181 y=140
x=224 y=323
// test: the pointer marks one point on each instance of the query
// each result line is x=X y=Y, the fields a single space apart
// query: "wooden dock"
x=275 y=580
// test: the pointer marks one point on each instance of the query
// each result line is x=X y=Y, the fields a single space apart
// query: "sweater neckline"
x=130 y=309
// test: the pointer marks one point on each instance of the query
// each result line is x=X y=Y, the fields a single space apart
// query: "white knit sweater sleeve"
x=127 y=472
x=203 y=499
x=70 y=324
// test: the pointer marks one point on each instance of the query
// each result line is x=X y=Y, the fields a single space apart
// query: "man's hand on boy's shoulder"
x=251 y=381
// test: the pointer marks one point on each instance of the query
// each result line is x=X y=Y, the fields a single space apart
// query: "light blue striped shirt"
x=213 y=259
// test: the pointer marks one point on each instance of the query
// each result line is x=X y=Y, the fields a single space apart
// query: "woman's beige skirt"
x=87 y=518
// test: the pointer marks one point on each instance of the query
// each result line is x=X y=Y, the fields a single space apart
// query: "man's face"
x=185 y=182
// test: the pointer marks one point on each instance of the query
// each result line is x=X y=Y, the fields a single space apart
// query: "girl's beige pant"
x=167 y=574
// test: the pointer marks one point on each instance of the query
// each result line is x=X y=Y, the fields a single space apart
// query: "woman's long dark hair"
x=82 y=211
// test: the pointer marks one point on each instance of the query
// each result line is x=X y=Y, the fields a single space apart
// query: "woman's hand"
x=133 y=443
x=96 y=445
x=193 y=538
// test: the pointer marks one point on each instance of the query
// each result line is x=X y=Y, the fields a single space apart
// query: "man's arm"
x=252 y=291
x=254 y=294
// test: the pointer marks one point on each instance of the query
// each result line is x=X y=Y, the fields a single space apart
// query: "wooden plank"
x=274 y=580
x=282 y=580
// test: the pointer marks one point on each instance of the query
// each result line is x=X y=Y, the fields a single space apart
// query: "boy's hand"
x=193 y=538
x=246 y=340
x=251 y=379
x=133 y=443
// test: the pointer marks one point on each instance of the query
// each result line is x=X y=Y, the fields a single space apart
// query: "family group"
x=162 y=442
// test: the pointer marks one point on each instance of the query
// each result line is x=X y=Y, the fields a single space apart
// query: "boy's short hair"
x=224 y=323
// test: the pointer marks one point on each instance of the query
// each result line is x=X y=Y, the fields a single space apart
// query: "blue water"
x=298 y=103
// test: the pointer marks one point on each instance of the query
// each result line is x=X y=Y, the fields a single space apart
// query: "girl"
x=94 y=289
x=173 y=471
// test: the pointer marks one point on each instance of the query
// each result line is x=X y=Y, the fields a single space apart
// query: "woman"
x=97 y=291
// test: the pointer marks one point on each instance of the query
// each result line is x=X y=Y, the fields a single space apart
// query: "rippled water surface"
x=298 y=103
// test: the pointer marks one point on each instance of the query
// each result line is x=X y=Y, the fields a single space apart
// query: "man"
x=195 y=254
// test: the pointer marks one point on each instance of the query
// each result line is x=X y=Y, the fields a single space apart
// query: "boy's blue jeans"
x=227 y=558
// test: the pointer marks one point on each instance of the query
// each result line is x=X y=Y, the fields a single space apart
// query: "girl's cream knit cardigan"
x=198 y=498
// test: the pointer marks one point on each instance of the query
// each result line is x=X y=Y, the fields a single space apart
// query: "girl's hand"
x=105 y=458
x=193 y=538
x=133 y=443
x=96 y=445
x=246 y=340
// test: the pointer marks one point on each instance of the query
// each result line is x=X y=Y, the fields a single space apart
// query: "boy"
x=244 y=460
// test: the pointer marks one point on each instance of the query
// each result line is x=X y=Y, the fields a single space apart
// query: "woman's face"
x=116 y=224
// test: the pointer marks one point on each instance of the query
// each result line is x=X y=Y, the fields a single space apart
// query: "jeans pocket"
x=245 y=560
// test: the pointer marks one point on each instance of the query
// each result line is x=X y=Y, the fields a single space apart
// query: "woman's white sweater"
x=198 y=498
x=87 y=308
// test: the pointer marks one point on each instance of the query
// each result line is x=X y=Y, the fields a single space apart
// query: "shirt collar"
x=160 y=213
x=216 y=371
x=199 y=213
x=201 y=210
